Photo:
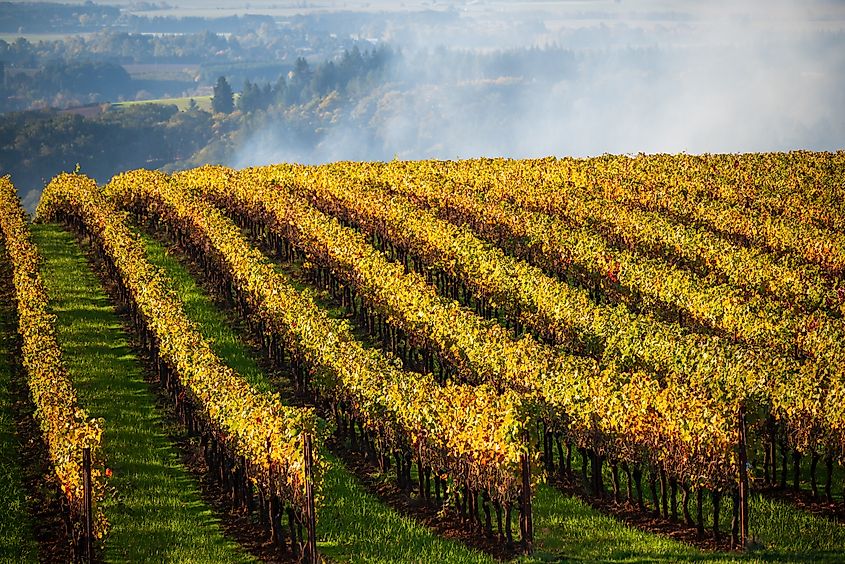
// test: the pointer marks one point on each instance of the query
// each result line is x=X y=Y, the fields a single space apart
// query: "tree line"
x=352 y=74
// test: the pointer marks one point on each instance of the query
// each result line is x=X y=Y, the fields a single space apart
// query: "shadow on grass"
x=16 y=536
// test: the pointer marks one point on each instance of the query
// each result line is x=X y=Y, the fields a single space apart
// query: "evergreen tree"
x=223 y=99
x=248 y=100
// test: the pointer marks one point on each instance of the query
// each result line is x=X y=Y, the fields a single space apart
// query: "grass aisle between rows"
x=156 y=512
x=16 y=537
x=355 y=526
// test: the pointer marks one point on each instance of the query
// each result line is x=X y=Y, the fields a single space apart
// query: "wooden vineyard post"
x=526 y=524
x=743 y=481
x=311 y=524
x=87 y=505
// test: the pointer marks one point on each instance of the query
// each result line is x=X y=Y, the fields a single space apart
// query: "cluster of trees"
x=35 y=146
x=123 y=48
x=49 y=17
x=78 y=70
x=211 y=42
x=63 y=84
x=87 y=69
x=351 y=75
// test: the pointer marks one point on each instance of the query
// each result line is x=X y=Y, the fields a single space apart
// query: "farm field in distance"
x=617 y=358
x=203 y=102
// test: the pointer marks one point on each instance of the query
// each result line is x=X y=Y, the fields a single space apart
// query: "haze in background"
x=634 y=77
x=535 y=78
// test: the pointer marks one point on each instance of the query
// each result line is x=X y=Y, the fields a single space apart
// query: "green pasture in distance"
x=203 y=102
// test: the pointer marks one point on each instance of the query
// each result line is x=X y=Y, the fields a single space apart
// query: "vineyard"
x=616 y=358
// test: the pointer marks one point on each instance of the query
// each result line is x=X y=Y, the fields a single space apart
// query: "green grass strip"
x=786 y=532
x=16 y=538
x=157 y=513
x=783 y=533
x=568 y=528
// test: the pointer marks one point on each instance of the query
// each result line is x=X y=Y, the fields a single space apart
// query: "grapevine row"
x=612 y=415
x=776 y=385
x=572 y=252
x=255 y=440
x=568 y=193
x=785 y=202
x=471 y=434
x=65 y=426
x=553 y=309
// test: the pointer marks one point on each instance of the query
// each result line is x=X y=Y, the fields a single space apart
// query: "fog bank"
x=532 y=79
